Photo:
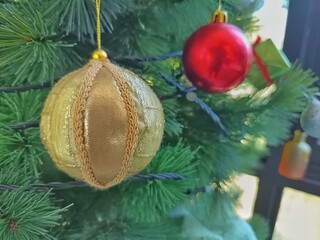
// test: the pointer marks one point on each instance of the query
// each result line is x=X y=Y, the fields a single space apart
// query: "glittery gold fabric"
x=102 y=124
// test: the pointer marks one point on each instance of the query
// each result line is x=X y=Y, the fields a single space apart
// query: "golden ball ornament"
x=102 y=123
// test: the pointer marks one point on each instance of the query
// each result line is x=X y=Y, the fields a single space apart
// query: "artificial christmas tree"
x=186 y=192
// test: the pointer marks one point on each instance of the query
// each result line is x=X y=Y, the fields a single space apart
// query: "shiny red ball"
x=217 y=57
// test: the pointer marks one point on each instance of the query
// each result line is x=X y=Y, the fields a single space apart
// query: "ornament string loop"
x=99 y=54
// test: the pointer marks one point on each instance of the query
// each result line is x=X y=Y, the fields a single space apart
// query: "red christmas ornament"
x=217 y=57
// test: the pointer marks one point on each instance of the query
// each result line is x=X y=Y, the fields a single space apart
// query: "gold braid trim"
x=133 y=130
x=78 y=123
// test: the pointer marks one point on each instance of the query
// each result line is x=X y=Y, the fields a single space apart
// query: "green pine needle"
x=254 y=122
x=156 y=197
x=116 y=230
x=217 y=207
x=139 y=31
x=27 y=215
x=275 y=116
x=171 y=107
x=220 y=159
x=79 y=16
x=21 y=107
x=145 y=231
x=13 y=175
x=260 y=226
x=30 y=49
x=172 y=126
x=23 y=149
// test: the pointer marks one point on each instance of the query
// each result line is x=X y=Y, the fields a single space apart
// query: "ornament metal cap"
x=219 y=16
x=99 y=55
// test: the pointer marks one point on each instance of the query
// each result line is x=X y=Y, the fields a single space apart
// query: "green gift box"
x=275 y=61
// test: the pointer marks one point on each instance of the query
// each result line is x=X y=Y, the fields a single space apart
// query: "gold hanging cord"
x=99 y=54
x=98 y=4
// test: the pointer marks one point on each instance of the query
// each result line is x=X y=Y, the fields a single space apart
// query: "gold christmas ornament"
x=102 y=123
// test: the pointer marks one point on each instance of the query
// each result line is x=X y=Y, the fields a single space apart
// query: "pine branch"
x=170 y=96
x=260 y=226
x=125 y=59
x=162 y=195
x=23 y=149
x=27 y=215
x=78 y=184
x=197 y=100
x=78 y=17
x=23 y=125
x=162 y=57
x=27 y=87
x=283 y=106
x=115 y=229
x=30 y=38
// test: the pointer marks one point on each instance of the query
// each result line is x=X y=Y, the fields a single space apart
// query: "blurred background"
x=292 y=206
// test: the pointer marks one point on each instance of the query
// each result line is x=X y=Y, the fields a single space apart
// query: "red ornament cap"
x=217 y=57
